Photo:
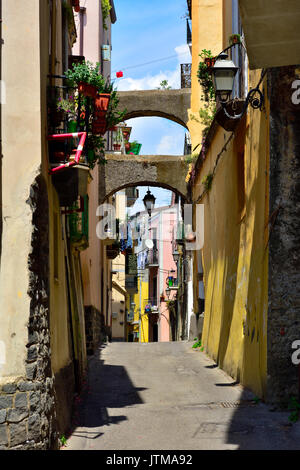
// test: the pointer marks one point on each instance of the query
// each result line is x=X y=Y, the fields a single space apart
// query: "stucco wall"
x=235 y=254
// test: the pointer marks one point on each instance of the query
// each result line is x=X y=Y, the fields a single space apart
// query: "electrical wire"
x=150 y=62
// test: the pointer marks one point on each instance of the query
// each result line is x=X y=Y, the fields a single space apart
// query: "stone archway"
x=169 y=104
x=122 y=171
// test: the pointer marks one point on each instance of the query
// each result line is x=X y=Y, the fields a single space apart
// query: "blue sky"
x=151 y=31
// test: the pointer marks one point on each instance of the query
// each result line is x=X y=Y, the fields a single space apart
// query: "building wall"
x=207 y=33
x=39 y=376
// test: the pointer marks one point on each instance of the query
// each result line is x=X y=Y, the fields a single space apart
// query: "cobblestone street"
x=160 y=396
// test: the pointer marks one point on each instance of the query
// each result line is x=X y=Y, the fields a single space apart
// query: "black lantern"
x=223 y=74
x=176 y=256
x=149 y=202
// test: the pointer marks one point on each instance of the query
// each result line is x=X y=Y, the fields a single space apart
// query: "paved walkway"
x=167 y=396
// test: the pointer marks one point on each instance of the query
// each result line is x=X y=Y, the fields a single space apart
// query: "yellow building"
x=234 y=177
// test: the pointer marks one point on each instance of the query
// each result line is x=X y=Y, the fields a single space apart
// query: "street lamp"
x=149 y=202
x=176 y=256
x=168 y=292
x=223 y=75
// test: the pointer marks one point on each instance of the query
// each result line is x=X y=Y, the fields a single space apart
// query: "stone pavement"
x=167 y=396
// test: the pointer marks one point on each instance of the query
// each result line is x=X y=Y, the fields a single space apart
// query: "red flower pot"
x=117 y=147
x=99 y=126
x=101 y=102
x=87 y=90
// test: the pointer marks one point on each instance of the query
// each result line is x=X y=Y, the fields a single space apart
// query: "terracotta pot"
x=101 y=102
x=87 y=90
x=99 y=126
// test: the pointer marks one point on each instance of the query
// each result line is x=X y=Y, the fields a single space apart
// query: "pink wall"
x=164 y=223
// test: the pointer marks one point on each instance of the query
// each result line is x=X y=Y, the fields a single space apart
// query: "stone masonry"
x=27 y=404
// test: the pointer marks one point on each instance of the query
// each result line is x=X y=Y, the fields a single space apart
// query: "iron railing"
x=152 y=258
x=186 y=70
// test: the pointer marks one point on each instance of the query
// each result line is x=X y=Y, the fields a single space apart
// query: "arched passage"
x=123 y=171
x=169 y=104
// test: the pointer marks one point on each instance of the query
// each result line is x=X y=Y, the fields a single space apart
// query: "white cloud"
x=170 y=145
x=150 y=82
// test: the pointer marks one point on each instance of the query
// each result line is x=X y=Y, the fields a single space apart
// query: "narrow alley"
x=150 y=395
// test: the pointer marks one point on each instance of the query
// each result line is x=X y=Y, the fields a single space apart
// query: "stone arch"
x=168 y=104
x=123 y=171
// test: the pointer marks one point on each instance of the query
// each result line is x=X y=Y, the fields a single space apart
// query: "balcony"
x=131 y=284
x=186 y=70
x=152 y=259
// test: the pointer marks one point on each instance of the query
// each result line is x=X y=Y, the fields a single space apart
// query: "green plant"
x=86 y=72
x=164 y=85
x=235 y=38
x=106 y=7
x=256 y=400
x=204 y=76
x=207 y=181
x=96 y=144
x=191 y=158
x=198 y=344
x=63 y=440
x=294 y=407
x=113 y=115
x=69 y=105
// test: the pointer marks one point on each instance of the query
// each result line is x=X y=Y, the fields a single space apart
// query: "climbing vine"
x=106 y=7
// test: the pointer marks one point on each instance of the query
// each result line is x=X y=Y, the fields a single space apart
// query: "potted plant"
x=86 y=77
x=95 y=150
x=69 y=106
x=235 y=39
x=204 y=75
x=127 y=146
x=162 y=297
x=135 y=147
x=118 y=141
x=126 y=132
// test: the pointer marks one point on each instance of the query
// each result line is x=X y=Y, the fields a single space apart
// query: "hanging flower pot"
x=210 y=61
x=235 y=39
x=117 y=147
x=99 y=125
x=87 y=90
x=101 y=102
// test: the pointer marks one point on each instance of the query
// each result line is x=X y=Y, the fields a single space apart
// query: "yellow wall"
x=140 y=300
x=207 y=33
x=235 y=256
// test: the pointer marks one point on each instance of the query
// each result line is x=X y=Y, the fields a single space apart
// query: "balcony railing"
x=152 y=258
x=186 y=75
x=131 y=283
